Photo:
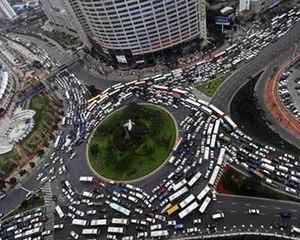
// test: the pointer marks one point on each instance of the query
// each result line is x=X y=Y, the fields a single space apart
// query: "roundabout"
x=132 y=142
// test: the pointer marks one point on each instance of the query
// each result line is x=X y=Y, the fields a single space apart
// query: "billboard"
x=121 y=58
x=223 y=21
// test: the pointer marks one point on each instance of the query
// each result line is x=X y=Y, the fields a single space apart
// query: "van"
x=218 y=216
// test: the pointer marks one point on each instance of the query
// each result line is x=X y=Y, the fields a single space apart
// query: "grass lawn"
x=43 y=110
x=211 y=86
x=8 y=162
x=119 y=156
x=234 y=182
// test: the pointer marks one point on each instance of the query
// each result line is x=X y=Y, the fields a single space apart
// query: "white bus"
x=120 y=209
x=159 y=233
x=187 y=201
x=178 y=194
x=206 y=153
x=79 y=222
x=203 y=193
x=194 y=179
x=214 y=176
x=295 y=229
x=221 y=157
x=59 y=211
x=98 y=222
x=216 y=127
x=90 y=231
x=204 y=204
x=188 y=210
x=120 y=221
x=118 y=230
x=179 y=185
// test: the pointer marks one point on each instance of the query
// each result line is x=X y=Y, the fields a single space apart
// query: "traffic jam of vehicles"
x=208 y=140
x=174 y=204
x=255 y=40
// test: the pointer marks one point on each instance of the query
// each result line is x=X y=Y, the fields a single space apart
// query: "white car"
x=253 y=211
x=2 y=196
x=197 y=221
x=74 y=235
x=39 y=176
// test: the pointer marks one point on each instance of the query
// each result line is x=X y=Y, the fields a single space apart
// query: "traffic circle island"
x=132 y=142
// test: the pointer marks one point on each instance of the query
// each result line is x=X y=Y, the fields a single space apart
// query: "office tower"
x=6 y=11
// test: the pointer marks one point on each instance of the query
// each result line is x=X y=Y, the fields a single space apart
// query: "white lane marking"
x=25 y=189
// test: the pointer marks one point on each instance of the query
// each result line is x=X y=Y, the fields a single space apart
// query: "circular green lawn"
x=118 y=154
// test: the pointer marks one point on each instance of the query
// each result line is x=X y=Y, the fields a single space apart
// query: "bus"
x=59 y=211
x=204 y=204
x=79 y=222
x=98 y=222
x=120 y=221
x=90 y=231
x=295 y=229
x=118 y=230
x=188 y=210
x=203 y=193
x=179 y=184
x=159 y=233
x=194 y=179
x=187 y=201
x=178 y=194
x=173 y=209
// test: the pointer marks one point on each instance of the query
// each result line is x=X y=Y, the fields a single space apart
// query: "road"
x=273 y=55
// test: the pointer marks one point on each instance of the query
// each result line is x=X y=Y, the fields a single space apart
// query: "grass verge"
x=235 y=183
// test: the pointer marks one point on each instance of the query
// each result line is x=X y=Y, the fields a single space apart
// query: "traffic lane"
x=237 y=80
x=268 y=207
x=101 y=82
x=267 y=55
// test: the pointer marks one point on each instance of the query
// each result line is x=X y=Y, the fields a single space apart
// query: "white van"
x=218 y=216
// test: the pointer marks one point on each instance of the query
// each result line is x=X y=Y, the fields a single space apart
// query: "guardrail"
x=281 y=236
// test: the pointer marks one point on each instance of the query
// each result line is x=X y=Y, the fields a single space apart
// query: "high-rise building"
x=6 y=11
x=61 y=15
x=58 y=15
x=257 y=5
x=138 y=31
x=244 y=5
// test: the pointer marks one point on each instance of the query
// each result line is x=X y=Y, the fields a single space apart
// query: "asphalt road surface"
x=272 y=56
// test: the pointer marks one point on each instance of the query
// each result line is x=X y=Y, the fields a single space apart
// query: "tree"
x=12 y=181
x=32 y=164
x=40 y=152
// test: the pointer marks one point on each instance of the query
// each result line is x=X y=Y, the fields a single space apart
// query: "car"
x=171 y=223
x=253 y=211
x=285 y=214
x=58 y=226
x=197 y=221
x=74 y=235
x=192 y=230
x=39 y=176
x=140 y=228
x=3 y=195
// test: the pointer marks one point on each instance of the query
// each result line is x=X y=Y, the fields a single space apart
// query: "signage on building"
x=121 y=58
x=221 y=20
